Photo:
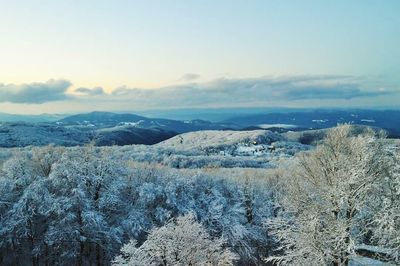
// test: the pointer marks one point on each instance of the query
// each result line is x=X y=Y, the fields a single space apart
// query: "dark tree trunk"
x=98 y=255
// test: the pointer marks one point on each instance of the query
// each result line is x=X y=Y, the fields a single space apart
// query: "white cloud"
x=266 y=91
x=35 y=93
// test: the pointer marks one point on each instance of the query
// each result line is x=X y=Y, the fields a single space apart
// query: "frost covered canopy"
x=233 y=203
x=183 y=242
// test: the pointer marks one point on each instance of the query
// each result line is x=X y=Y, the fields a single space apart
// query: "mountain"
x=127 y=135
x=107 y=119
x=213 y=114
x=102 y=128
x=100 y=119
x=318 y=119
x=39 y=134
x=21 y=134
x=106 y=128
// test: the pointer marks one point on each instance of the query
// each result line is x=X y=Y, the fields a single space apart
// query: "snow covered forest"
x=205 y=198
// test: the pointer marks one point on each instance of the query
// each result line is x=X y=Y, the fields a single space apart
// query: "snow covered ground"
x=216 y=138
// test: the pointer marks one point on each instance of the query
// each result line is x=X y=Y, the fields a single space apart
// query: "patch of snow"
x=157 y=123
x=135 y=124
x=266 y=126
x=319 y=120
x=253 y=150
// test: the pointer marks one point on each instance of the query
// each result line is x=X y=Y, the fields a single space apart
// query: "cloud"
x=189 y=77
x=90 y=92
x=342 y=92
x=35 y=93
x=123 y=90
x=294 y=88
x=223 y=92
x=248 y=91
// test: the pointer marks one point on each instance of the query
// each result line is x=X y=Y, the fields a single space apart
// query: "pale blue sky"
x=155 y=44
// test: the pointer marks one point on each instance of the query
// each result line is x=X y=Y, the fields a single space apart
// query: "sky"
x=69 y=56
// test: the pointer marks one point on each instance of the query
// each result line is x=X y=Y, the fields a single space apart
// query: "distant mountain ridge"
x=108 y=119
x=102 y=128
x=21 y=134
x=107 y=128
x=101 y=117
x=318 y=119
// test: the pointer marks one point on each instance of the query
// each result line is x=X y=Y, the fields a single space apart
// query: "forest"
x=205 y=201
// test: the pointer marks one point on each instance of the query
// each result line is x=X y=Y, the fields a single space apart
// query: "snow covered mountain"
x=40 y=134
x=321 y=118
x=107 y=119
x=107 y=128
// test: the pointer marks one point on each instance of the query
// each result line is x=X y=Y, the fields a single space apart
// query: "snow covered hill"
x=258 y=143
x=40 y=134
x=213 y=138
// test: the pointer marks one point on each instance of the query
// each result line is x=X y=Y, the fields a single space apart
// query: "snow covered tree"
x=77 y=205
x=387 y=219
x=180 y=242
x=25 y=223
x=330 y=193
x=80 y=179
x=43 y=159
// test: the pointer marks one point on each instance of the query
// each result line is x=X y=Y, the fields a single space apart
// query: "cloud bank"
x=220 y=92
x=35 y=93
x=231 y=92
